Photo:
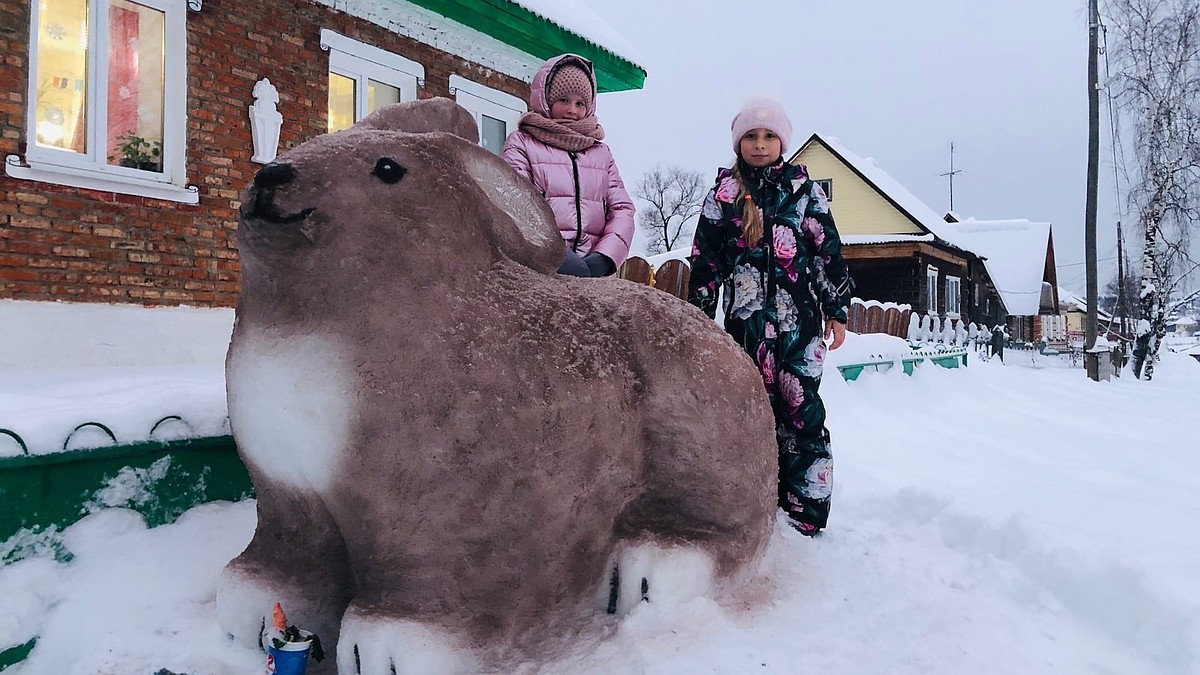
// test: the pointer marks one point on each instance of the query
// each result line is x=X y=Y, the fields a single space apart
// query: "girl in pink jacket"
x=557 y=146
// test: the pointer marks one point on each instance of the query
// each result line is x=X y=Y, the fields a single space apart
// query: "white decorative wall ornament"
x=265 y=122
x=195 y=5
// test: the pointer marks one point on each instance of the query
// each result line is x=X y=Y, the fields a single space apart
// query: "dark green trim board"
x=42 y=494
x=514 y=25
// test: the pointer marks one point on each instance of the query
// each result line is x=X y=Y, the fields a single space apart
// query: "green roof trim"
x=518 y=27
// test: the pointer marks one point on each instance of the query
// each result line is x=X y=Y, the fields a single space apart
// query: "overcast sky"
x=1005 y=80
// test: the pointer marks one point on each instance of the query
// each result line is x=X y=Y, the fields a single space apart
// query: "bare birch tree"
x=674 y=196
x=1157 y=85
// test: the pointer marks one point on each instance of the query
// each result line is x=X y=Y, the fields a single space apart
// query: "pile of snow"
x=132 y=369
x=59 y=335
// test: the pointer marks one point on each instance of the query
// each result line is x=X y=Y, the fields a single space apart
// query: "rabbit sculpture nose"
x=274 y=175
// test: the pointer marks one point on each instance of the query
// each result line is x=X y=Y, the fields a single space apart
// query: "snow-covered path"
x=997 y=519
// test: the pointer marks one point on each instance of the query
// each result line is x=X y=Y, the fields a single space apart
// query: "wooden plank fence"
x=670 y=277
x=875 y=317
x=865 y=316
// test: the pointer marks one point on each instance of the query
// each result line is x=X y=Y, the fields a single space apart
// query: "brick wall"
x=63 y=243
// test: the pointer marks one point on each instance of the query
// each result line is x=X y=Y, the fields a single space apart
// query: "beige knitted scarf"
x=569 y=135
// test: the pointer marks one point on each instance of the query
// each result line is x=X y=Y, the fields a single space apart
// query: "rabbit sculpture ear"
x=523 y=227
x=422 y=117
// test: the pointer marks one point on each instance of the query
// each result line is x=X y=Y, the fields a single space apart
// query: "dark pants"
x=805 y=464
x=574 y=266
x=805 y=457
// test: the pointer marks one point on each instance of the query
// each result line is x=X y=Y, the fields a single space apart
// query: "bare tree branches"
x=1158 y=87
x=674 y=197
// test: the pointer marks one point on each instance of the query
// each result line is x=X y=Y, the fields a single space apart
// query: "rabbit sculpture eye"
x=389 y=170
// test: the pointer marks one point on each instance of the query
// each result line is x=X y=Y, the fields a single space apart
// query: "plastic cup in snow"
x=287 y=658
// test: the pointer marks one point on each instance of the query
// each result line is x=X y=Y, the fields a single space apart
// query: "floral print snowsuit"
x=777 y=296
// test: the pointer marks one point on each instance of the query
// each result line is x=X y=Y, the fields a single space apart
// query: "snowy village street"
x=599 y=337
x=995 y=519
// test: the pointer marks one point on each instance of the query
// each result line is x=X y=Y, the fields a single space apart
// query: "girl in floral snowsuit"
x=766 y=234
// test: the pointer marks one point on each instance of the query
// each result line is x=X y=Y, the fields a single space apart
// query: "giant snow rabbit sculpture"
x=462 y=458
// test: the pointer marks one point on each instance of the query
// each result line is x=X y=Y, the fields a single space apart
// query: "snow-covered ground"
x=992 y=519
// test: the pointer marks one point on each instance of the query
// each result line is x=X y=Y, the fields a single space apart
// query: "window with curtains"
x=495 y=112
x=953 y=295
x=363 y=78
x=107 y=95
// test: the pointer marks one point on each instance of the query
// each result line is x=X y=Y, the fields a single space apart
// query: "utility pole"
x=951 y=175
x=1093 y=176
x=1122 y=304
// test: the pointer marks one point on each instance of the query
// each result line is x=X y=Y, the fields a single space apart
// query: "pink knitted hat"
x=761 y=113
x=569 y=79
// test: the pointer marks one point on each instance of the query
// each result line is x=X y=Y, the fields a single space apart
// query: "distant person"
x=557 y=146
x=765 y=233
x=999 y=337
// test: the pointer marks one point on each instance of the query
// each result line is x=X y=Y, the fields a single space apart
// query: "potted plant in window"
x=139 y=153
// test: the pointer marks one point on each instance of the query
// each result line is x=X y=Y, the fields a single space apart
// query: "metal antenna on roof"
x=951 y=173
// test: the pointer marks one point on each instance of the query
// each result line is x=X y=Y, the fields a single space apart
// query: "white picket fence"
x=924 y=329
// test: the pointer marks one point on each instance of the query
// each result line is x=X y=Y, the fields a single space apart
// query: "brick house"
x=126 y=127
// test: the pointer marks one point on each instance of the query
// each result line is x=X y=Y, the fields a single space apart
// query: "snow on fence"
x=872 y=316
x=943 y=341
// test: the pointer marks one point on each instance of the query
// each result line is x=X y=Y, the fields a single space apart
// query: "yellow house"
x=900 y=250
x=1074 y=310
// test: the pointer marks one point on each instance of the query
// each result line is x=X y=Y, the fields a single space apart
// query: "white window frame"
x=480 y=100
x=826 y=187
x=91 y=170
x=953 y=296
x=931 y=288
x=360 y=61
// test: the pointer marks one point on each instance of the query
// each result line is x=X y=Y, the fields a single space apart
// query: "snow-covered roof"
x=1073 y=301
x=576 y=17
x=513 y=37
x=850 y=239
x=1014 y=253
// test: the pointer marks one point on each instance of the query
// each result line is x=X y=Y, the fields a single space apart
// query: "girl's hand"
x=835 y=330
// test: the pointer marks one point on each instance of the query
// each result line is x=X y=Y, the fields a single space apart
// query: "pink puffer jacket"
x=594 y=209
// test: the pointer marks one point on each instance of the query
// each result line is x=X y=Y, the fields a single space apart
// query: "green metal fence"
x=951 y=358
x=40 y=495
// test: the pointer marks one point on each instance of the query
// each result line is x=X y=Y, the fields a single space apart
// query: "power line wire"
x=1085 y=262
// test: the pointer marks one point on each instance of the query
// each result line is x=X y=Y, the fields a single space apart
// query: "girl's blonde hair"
x=752 y=224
